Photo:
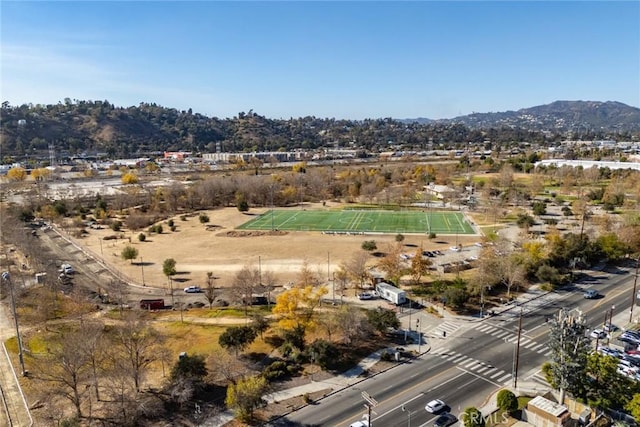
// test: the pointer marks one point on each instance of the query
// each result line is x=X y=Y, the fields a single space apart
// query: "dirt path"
x=13 y=408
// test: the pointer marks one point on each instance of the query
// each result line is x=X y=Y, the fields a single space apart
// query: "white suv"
x=66 y=269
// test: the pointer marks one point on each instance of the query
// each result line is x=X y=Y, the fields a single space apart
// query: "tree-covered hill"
x=90 y=127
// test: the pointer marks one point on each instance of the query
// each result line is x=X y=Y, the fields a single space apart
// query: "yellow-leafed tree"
x=17 y=174
x=246 y=395
x=40 y=174
x=295 y=309
x=130 y=178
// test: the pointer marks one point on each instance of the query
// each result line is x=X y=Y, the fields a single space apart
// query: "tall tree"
x=237 y=338
x=419 y=266
x=66 y=368
x=296 y=308
x=137 y=343
x=245 y=283
x=391 y=263
x=569 y=346
x=607 y=388
x=210 y=291
x=245 y=396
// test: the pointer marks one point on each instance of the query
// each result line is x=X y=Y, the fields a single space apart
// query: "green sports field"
x=365 y=221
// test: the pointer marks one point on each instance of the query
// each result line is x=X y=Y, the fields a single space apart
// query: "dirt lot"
x=216 y=247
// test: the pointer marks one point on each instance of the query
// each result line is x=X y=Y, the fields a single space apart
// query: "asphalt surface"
x=474 y=361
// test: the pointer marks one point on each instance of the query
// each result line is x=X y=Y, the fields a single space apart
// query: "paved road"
x=475 y=360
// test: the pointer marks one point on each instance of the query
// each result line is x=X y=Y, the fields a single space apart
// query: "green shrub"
x=170 y=223
x=275 y=371
x=507 y=401
x=203 y=218
x=116 y=225
x=369 y=245
x=142 y=237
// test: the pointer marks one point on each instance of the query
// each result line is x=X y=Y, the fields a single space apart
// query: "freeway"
x=475 y=362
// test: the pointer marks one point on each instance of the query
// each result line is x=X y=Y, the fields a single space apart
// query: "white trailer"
x=391 y=293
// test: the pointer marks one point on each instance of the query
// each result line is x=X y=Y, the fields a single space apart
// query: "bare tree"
x=224 y=367
x=307 y=277
x=210 y=291
x=137 y=343
x=341 y=278
x=245 y=283
x=353 y=324
x=356 y=268
x=268 y=284
x=66 y=368
x=94 y=348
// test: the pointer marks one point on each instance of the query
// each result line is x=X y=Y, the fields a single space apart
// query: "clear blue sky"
x=350 y=60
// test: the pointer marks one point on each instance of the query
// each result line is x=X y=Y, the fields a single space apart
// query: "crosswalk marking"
x=479 y=371
x=501 y=334
x=537 y=347
x=459 y=358
x=448 y=327
x=497 y=374
x=503 y=378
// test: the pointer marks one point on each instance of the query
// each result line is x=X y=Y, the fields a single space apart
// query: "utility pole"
x=142 y=268
x=633 y=294
x=610 y=323
x=371 y=402
x=515 y=368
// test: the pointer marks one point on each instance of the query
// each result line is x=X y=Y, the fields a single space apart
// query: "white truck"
x=391 y=293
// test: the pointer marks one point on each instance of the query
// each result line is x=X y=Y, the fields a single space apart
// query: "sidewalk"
x=352 y=376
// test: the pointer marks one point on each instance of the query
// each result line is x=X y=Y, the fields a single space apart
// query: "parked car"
x=598 y=333
x=365 y=296
x=435 y=406
x=608 y=327
x=591 y=294
x=454 y=248
x=66 y=269
x=445 y=420
x=193 y=290
x=607 y=351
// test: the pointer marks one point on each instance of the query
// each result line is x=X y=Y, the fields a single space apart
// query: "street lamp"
x=408 y=415
x=482 y=299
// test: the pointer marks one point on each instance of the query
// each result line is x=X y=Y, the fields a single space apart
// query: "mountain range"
x=79 y=126
x=559 y=116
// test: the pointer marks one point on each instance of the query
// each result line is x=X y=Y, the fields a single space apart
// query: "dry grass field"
x=217 y=247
